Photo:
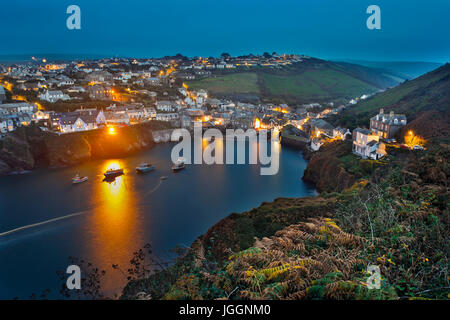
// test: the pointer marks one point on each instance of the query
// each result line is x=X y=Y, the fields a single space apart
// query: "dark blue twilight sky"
x=331 y=29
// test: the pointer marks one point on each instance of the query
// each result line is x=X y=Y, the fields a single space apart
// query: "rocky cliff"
x=326 y=171
x=29 y=147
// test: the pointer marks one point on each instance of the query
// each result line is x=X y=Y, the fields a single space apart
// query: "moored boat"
x=145 y=167
x=77 y=179
x=112 y=173
x=178 y=165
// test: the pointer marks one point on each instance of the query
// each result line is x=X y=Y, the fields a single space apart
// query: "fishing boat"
x=112 y=173
x=77 y=179
x=178 y=165
x=144 y=168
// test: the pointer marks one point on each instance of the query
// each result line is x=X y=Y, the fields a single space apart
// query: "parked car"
x=417 y=147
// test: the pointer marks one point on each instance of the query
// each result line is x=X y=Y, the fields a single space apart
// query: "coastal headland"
x=29 y=147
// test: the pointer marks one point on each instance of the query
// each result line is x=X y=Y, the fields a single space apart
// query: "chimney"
x=381 y=111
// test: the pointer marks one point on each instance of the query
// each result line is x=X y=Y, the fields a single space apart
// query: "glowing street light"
x=111 y=130
x=257 y=123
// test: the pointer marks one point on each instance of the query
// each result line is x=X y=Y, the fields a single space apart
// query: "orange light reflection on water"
x=115 y=225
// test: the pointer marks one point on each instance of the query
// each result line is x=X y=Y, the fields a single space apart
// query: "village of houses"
x=155 y=90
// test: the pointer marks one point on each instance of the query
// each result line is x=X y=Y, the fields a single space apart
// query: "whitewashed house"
x=41 y=115
x=113 y=117
x=99 y=77
x=186 y=121
x=3 y=125
x=64 y=80
x=183 y=91
x=140 y=114
x=165 y=106
x=150 y=113
x=76 y=89
x=316 y=144
x=201 y=96
x=18 y=107
x=167 y=116
x=227 y=106
x=367 y=144
x=71 y=124
x=81 y=120
x=341 y=133
x=53 y=96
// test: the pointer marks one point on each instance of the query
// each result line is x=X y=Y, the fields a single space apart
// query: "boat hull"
x=178 y=168
x=145 y=170
x=81 y=180
x=113 y=174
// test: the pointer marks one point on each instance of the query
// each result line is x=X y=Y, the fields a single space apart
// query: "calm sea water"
x=121 y=217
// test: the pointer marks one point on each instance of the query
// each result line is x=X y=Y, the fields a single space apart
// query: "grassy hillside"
x=402 y=69
x=316 y=84
x=312 y=80
x=245 y=82
x=428 y=92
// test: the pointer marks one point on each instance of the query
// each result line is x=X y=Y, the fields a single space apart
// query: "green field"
x=228 y=84
x=317 y=83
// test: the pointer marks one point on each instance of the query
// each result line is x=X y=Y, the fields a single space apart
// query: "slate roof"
x=387 y=118
x=321 y=124
x=363 y=131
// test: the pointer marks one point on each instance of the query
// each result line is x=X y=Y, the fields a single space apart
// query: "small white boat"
x=77 y=179
x=144 y=168
x=178 y=165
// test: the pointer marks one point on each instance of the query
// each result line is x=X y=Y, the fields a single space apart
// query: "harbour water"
x=104 y=223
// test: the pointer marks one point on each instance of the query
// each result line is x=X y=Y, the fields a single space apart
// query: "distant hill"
x=53 y=57
x=401 y=69
x=312 y=80
x=428 y=94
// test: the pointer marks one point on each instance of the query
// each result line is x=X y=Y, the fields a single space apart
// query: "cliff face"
x=78 y=147
x=16 y=153
x=325 y=170
x=29 y=147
